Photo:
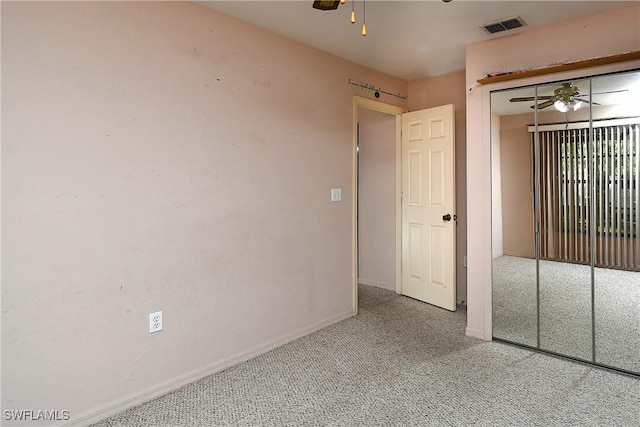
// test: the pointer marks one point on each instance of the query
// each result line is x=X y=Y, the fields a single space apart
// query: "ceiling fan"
x=326 y=5
x=333 y=5
x=565 y=98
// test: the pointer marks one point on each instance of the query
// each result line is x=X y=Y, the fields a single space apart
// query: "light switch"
x=336 y=194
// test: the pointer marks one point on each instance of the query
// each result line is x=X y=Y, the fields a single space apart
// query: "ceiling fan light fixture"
x=564 y=105
x=561 y=106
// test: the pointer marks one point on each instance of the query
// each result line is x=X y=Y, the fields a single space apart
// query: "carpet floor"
x=398 y=363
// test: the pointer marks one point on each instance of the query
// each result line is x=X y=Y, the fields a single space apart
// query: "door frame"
x=370 y=104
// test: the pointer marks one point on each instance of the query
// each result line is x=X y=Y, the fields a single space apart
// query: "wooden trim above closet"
x=565 y=66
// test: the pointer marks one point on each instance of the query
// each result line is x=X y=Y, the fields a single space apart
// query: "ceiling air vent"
x=504 y=25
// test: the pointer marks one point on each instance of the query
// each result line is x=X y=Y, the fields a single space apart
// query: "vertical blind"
x=580 y=167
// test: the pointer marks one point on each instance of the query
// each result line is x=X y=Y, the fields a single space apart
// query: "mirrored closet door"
x=565 y=218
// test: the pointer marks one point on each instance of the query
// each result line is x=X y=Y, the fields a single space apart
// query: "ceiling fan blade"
x=530 y=98
x=586 y=101
x=611 y=91
x=601 y=93
x=545 y=104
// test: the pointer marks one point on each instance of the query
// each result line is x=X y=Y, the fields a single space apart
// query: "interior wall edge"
x=477 y=333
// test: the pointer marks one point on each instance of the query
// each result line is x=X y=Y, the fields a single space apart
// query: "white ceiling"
x=407 y=39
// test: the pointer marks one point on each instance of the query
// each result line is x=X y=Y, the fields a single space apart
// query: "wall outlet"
x=155 y=322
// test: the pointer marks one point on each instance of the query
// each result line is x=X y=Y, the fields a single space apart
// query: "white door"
x=428 y=206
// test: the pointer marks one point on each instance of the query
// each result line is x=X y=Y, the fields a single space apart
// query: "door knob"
x=446 y=217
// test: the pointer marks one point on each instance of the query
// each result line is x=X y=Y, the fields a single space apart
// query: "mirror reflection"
x=562 y=165
x=565 y=217
x=515 y=314
x=616 y=220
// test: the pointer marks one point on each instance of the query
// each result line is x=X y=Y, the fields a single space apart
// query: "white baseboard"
x=151 y=393
x=376 y=284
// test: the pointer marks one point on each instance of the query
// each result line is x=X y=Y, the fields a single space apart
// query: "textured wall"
x=162 y=156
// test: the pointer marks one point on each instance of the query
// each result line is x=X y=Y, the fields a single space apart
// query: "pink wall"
x=594 y=36
x=161 y=156
x=517 y=186
x=433 y=92
x=377 y=199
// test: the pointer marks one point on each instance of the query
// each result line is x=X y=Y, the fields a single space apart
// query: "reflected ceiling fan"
x=565 y=98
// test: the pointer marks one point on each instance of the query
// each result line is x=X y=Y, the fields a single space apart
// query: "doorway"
x=423 y=170
x=376 y=219
x=376 y=199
